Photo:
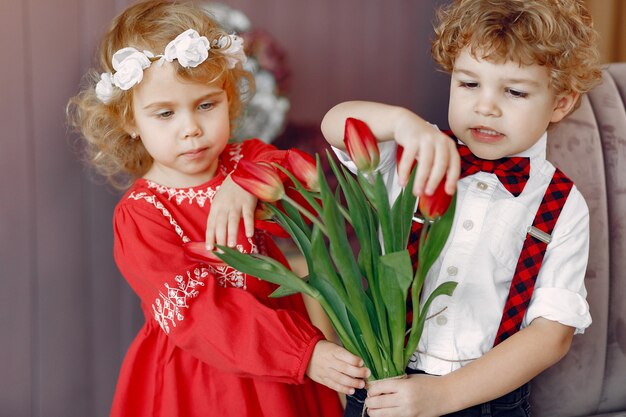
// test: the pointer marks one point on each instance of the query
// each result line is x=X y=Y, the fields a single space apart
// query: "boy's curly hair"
x=146 y=25
x=557 y=34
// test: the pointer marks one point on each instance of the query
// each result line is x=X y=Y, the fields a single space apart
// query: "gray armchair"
x=590 y=146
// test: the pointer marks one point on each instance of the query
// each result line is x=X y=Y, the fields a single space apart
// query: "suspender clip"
x=539 y=234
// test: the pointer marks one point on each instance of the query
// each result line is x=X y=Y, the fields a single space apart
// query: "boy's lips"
x=486 y=134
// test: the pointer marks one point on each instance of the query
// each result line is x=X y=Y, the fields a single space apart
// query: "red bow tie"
x=512 y=172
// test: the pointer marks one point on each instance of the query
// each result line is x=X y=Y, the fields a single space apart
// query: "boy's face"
x=501 y=109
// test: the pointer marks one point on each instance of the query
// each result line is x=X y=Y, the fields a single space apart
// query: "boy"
x=517 y=66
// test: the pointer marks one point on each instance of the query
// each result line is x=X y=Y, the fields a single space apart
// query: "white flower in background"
x=189 y=48
x=104 y=88
x=129 y=64
x=265 y=115
x=231 y=19
x=234 y=52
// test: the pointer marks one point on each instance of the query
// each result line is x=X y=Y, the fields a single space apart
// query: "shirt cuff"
x=561 y=305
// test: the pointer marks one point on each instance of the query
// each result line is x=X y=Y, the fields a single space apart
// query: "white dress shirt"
x=481 y=254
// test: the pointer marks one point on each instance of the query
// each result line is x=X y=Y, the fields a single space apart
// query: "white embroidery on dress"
x=152 y=200
x=228 y=276
x=168 y=308
x=179 y=195
x=235 y=153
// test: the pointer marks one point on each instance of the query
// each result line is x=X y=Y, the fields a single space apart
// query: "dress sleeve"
x=227 y=328
x=560 y=293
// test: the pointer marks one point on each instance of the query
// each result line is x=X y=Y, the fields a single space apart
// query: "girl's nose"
x=192 y=128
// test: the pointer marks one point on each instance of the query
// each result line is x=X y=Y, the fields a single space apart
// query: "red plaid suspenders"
x=530 y=260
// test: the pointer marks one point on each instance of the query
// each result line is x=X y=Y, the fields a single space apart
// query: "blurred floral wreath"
x=264 y=116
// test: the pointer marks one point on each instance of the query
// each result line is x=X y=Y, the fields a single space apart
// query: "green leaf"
x=267 y=269
x=402 y=213
x=306 y=194
x=395 y=277
x=446 y=288
x=283 y=292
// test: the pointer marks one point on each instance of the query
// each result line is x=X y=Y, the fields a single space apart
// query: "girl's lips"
x=197 y=153
x=484 y=134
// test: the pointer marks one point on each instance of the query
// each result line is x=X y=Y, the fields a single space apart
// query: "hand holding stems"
x=415 y=396
x=335 y=367
x=435 y=152
x=230 y=204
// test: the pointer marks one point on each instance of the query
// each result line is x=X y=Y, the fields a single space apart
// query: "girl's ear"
x=563 y=106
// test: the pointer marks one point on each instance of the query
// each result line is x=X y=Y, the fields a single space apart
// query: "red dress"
x=213 y=344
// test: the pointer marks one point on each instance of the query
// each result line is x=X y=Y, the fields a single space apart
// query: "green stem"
x=306 y=213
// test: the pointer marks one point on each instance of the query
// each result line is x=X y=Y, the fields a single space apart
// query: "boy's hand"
x=230 y=204
x=435 y=152
x=335 y=367
x=416 y=396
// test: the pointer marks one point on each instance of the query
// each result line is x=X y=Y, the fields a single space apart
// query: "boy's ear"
x=563 y=106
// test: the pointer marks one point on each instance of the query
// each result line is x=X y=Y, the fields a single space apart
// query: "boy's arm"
x=435 y=152
x=506 y=367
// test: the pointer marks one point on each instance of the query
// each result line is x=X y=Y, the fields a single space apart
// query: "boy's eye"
x=516 y=93
x=468 y=84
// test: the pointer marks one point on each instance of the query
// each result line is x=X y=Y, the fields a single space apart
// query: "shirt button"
x=468 y=225
x=441 y=320
x=482 y=186
x=452 y=270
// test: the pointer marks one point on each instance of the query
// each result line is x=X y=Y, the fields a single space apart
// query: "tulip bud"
x=303 y=167
x=361 y=145
x=260 y=180
x=434 y=206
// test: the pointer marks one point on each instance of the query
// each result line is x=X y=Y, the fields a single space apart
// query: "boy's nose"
x=486 y=105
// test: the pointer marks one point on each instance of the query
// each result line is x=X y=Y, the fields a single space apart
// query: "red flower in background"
x=260 y=180
x=434 y=206
x=361 y=145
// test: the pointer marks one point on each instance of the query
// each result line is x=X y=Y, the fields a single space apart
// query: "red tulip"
x=303 y=167
x=361 y=145
x=198 y=252
x=259 y=180
x=434 y=206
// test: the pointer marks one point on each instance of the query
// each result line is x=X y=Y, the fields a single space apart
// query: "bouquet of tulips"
x=364 y=296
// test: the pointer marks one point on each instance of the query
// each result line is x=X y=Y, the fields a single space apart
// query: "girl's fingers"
x=248 y=221
x=233 y=227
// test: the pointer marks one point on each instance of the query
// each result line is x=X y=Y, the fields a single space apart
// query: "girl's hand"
x=435 y=152
x=230 y=204
x=335 y=367
x=416 y=396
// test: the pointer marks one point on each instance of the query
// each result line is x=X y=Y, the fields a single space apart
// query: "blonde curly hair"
x=557 y=34
x=146 y=25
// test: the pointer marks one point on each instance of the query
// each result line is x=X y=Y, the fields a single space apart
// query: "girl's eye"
x=516 y=93
x=165 y=114
x=468 y=84
x=206 y=106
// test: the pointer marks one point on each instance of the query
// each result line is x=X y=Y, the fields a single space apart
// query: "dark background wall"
x=66 y=316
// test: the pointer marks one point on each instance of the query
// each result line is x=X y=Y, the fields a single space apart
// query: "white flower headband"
x=189 y=48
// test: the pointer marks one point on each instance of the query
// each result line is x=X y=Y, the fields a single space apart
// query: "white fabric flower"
x=104 y=88
x=129 y=64
x=189 y=48
x=234 y=52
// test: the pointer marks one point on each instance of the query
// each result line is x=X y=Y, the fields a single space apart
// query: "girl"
x=213 y=344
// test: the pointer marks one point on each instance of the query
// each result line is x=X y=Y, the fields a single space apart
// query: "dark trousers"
x=513 y=404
